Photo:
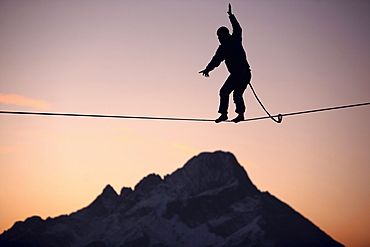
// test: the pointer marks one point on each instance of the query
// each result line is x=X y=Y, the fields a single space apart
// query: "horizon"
x=142 y=59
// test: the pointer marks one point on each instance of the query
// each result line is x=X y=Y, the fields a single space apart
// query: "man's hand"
x=229 y=11
x=205 y=73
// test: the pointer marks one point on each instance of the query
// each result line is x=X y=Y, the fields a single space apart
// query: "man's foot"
x=223 y=117
x=239 y=118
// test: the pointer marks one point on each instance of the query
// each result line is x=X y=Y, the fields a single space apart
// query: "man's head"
x=223 y=34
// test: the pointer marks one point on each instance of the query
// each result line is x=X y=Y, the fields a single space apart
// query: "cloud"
x=186 y=148
x=14 y=99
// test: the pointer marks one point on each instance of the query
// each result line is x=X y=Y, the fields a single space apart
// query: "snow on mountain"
x=209 y=202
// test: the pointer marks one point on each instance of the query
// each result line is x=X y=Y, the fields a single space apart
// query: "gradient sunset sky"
x=142 y=58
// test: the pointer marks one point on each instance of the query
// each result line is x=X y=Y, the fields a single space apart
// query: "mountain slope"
x=209 y=202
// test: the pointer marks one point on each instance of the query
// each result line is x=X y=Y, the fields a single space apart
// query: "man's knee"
x=224 y=92
x=238 y=95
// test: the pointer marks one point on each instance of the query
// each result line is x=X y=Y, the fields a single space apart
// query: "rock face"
x=208 y=202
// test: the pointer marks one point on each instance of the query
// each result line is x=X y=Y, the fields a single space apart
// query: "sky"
x=142 y=58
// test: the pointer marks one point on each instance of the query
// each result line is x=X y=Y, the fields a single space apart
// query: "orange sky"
x=142 y=58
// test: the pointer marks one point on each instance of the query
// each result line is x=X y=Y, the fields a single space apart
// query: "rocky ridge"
x=209 y=202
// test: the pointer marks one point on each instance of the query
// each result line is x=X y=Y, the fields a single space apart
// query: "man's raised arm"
x=237 y=29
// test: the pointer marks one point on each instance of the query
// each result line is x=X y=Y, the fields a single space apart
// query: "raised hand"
x=229 y=11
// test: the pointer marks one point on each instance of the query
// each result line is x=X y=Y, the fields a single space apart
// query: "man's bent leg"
x=243 y=81
x=240 y=106
x=225 y=91
x=238 y=100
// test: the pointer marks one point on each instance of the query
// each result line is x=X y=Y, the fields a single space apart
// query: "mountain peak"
x=104 y=203
x=210 y=201
x=208 y=171
x=148 y=183
x=109 y=191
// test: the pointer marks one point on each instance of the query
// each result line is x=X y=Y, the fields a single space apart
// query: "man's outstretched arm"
x=219 y=56
x=215 y=62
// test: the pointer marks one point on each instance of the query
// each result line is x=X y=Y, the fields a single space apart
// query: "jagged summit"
x=148 y=183
x=109 y=191
x=210 y=201
x=209 y=171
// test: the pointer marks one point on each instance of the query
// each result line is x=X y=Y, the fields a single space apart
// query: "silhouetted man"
x=232 y=52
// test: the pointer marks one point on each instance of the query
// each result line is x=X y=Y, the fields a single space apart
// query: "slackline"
x=176 y=118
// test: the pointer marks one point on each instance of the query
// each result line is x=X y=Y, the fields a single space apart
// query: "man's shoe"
x=223 y=117
x=239 y=118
